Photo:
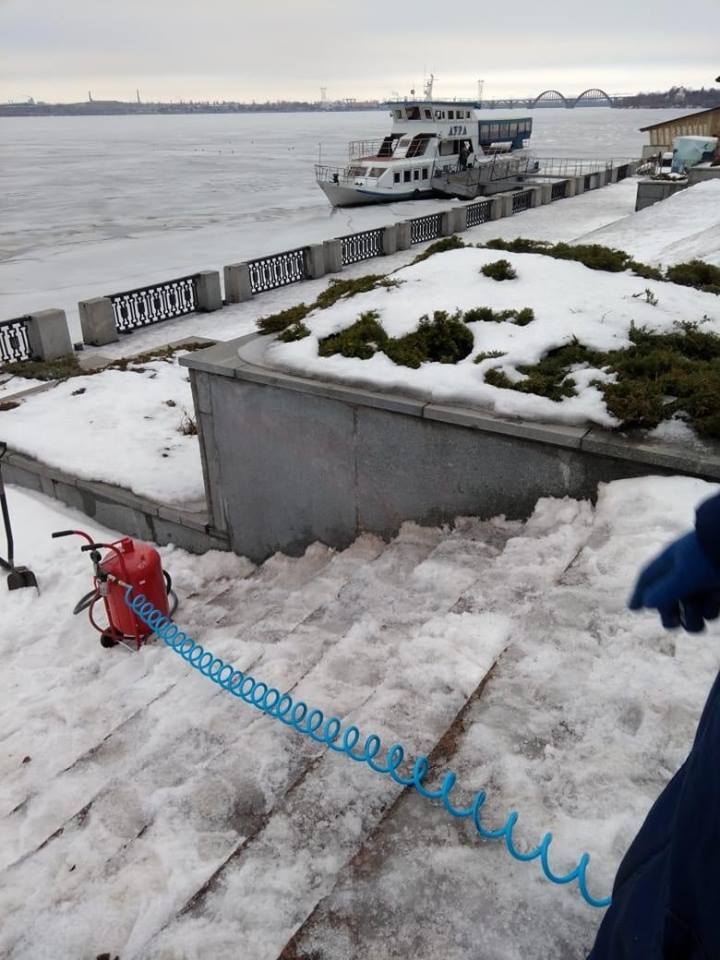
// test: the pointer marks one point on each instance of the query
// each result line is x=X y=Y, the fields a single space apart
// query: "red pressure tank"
x=139 y=565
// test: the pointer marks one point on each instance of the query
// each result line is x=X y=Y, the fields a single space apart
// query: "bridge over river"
x=592 y=97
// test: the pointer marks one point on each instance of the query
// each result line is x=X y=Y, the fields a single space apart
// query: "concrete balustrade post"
x=579 y=185
x=207 y=288
x=237 y=282
x=459 y=216
x=497 y=207
x=570 y=187
x=546 y=193
x=404 y=235
x=447 y=223
x=97 y=321
x=389 y=240
x=314 y=261
x=48 y=335
x=333 y=256
x=537 y=196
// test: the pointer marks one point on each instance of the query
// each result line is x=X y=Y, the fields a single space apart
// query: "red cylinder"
x=139 y=565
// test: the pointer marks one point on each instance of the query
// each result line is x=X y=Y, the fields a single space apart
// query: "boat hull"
x=342 y=195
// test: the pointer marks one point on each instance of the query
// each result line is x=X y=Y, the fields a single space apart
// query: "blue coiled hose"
x=330 y=733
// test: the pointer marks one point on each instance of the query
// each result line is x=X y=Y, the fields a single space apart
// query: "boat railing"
x=501 y=167
x=365 y=148
x=578 y=166
x=325 y=173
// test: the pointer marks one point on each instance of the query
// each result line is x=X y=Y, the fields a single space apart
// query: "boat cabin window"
x=448 y=147
x=356 y=171
x=396 y=176
x=377 y=171
x=406 y=175
x=388 y=145
x=416 y=174
x=413 y=113
x=398 y=114
x=439 y=114
x=428 y=114
x=424 y=173
x=451 y=114
x=419 y=145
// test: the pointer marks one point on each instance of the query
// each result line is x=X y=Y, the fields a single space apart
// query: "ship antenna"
x=429 y=86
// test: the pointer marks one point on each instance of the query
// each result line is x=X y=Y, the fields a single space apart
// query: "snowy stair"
x=424 y=883
x=383 y=675
x=134 y=762
x=367 y=633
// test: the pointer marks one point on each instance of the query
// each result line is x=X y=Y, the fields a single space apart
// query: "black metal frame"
x=477 y=213
x=559 y=190
x=522 y=200
x=153 y=304
x=425 y=228
x=277 y=270
x=362 y=246
x=14 y=341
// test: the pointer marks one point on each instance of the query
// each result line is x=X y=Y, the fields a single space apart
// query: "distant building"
x=704 y=123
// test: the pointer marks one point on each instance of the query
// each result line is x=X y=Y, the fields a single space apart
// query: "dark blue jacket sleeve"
x=666 y=897
x=707 y=528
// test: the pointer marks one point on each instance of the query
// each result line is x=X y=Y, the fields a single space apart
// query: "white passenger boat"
x=429 y=141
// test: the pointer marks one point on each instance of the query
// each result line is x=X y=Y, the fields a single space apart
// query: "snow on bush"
x=569 y=302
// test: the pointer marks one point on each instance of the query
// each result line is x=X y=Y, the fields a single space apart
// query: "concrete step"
x=151 y=755
x=323 y=817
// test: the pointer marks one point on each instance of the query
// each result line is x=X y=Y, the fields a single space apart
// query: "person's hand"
x=681 y=584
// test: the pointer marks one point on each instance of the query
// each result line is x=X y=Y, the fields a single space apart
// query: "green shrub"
x=276 y=322
x=338 y=289
x=444 y=339
x=297 y=331
x=441 y=246
x=696 y=273
x=519 y=245
x=487 y=315
x=499 y=270
x=592 y=255
x=660 y=375
x=61 y=369
x=362 y=340
x=524 y=317
x=489 y=355
x=645 y=271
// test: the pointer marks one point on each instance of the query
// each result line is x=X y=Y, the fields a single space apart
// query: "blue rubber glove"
x=682 y=584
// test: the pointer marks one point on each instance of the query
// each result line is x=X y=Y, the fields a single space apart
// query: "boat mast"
x=427 y=90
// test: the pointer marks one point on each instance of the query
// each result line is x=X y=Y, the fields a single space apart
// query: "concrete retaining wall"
x=653 y=191
x=290 y=460
x=115 y=507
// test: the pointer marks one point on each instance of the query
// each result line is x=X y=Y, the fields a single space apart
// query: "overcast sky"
x=274 y=49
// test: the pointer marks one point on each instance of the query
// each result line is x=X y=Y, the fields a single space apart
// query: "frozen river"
x=92 y=205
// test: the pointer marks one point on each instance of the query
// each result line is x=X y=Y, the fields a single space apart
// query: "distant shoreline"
x=114 y=108
x=694 y=100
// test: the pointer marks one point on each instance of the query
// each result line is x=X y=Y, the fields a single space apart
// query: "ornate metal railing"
x=425 y=228
x=559 y=190
x=362 y=246
x=521 y=201
x=146 y=305
x=277 y=270
x=477 y=213
x=14 y=343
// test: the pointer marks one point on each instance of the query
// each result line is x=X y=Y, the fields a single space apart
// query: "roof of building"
x=686 y=116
